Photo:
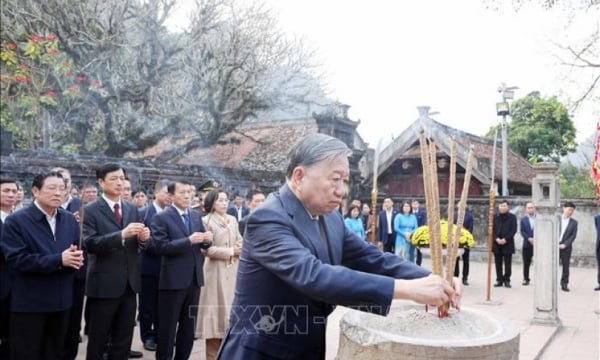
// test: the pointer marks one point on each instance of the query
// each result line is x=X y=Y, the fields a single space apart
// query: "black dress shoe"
x=597 y=288
x=565 y=288
x=498 y=284
x=465 y=282
x=150 y=345
x=507 y=284
x=135 y=354
x=525 y=282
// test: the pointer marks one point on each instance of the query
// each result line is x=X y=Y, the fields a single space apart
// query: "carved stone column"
x=546 y=197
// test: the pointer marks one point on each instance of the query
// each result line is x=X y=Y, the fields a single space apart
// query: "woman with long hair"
x=220 y=268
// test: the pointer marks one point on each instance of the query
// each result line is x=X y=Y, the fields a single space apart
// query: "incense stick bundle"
x=452 y=249
x=434 y=224
x=451 y=195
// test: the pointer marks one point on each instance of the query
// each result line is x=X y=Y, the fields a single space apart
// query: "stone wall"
x=583 y=247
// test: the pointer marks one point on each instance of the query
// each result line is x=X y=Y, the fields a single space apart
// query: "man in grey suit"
x=178 y=235
x=299 y=260
x=113 y=232
x=568 y=233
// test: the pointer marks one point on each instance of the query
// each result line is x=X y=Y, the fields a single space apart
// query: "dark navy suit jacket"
x=5 y=272
x=288 y=274
x=382 y=227
x=597 y=222
x=149 y=260
x=41 y=283
x=232 y=210
x=182 y=262
x=421 y=217
x=526 y=232
x=570 y=233
x=111 y=266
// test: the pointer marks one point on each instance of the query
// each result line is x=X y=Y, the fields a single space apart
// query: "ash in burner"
x=415 y=323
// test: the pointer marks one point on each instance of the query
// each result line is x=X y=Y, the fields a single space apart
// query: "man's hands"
x=430 y=290
x=501 y=241
x=136 y=229
x=201 y=237
x=72 y=257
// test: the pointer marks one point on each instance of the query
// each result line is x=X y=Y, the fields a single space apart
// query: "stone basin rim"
x=502 y=330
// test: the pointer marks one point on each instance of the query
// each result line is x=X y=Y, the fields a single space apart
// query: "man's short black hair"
x=108 y=168
x=569 y=204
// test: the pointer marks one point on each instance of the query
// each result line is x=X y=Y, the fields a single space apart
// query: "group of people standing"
x=505 y=228
x=396 y=228
x=179 y=261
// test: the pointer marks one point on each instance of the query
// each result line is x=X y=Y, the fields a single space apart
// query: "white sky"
x=385 y=58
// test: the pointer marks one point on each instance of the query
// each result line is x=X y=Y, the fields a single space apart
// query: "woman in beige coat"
x=220 y=269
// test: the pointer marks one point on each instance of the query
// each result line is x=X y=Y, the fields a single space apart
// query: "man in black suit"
x=113 y=232
x=8 y=197
x=421 y=221
x=73 y=205
x=238 y=209
x=385 y=228
x=568 y=233
x=150 y=270
x=468 y=225
x=254 y=198
x=39 y=243
x=505 y=228
x=527 y=227
x=178 y=235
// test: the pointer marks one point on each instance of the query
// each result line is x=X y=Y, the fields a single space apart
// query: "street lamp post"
x=503 y=109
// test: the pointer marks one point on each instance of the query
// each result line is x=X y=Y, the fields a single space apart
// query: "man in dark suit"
x=8 y=196
x=504 y=229
x=468 y=225
x=178 y=235
x=421 y=221
x=527 y=225
x=254 y=198
x=597 y=223
x=238 y=209
x=40 y=247
x=568 y=233
x=299 y=260
x=113 y=232
x=385 y=228
x=73 y=337
x=150 y=270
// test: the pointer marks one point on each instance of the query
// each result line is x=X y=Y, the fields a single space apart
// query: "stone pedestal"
x=546 y=197
x=409 y=332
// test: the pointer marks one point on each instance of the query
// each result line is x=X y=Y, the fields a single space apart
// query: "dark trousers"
x=527 y=256
x=389 y=247
x=148 y=308
x=178 y=324
x=598 y=259
x=565 y=262
x=111 y=320
x=465 y=259
x=499 y=259
x=74 y=326
x=38 y=335
x=4 y=328
x=419 y=257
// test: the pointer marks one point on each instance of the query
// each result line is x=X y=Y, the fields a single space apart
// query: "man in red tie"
x=113 y=232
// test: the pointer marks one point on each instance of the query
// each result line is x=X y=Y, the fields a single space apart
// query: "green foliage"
x=575 y=182
x=540 y=129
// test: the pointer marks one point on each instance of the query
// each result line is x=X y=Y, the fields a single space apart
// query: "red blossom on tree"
x=80 y=79
x=95 y=84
